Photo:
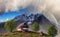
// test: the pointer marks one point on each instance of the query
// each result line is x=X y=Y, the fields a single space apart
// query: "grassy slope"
x=22 y=34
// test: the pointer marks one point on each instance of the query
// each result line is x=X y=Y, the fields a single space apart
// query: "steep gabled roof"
x=22 y=25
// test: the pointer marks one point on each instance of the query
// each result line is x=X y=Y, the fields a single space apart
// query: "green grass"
x=22 y=34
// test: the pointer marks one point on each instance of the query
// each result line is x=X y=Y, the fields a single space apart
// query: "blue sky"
x=10 y=15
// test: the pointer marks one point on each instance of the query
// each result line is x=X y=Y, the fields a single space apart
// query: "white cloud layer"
x=40 y=5
x=12 y=5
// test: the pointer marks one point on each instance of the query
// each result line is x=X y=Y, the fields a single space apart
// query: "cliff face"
x=44 y=24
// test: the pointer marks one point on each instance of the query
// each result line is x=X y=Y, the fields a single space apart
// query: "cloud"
x=4 y=20
x=12 y=5
x=40 y=5
x=7 y=19
x=1 y=20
